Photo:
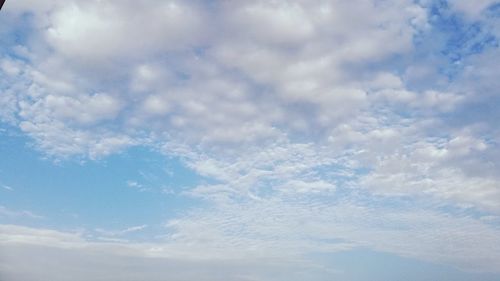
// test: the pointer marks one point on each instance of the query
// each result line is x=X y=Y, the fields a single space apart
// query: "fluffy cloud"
x=288 y=72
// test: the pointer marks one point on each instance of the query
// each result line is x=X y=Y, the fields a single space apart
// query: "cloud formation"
x=306 y=117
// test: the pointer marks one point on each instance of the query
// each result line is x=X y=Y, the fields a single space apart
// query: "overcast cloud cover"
x=318 y=129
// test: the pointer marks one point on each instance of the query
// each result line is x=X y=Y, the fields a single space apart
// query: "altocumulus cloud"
x=322 y=126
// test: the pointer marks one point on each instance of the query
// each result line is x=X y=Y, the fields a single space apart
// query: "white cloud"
x=108 y=233
x=437 y=168
x=294 y=226
x=54 y=255
x=97 y=32
x=55 y=138
x=88 y=110
x=255 y=233
x=136 y=185
x=297 y=50
x=271 y=22
x=270 y=236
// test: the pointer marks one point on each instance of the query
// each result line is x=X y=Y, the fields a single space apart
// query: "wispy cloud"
x=121 y=232
x=6 y=187
x=137 y=186
x=9 y=213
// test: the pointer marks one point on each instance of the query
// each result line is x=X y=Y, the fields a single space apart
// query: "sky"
x=249 y=140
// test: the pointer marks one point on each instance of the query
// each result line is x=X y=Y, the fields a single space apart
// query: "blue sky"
x=134 y=187
x=249 y=140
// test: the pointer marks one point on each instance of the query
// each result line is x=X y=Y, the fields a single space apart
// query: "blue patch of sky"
x=62 y=192
x=23 y=31
x=441 y=50
x=480 y=111
x=493 y=11
x=459 y=37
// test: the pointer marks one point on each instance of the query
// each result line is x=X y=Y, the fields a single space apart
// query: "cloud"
x=293 y=226
x=269 y=240
x=122 y=232
x=115 y=75
x=136 y=185
x=58 y=256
